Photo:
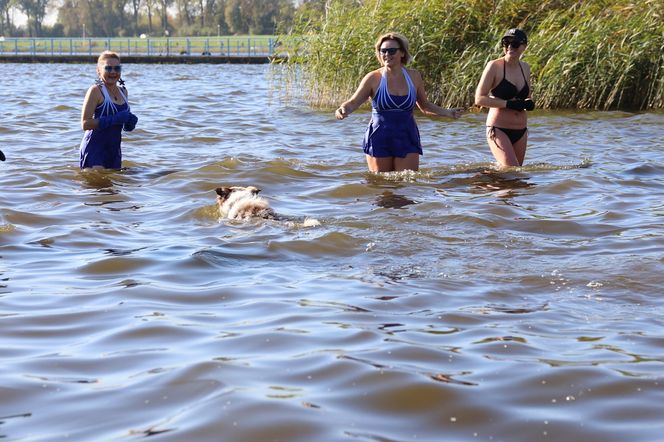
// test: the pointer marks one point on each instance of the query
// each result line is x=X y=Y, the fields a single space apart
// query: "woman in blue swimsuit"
x=505 y=89
x=392 y=140
x=105 y=113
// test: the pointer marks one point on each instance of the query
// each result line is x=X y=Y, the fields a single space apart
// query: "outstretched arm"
x=362 y=94
x=427 y=107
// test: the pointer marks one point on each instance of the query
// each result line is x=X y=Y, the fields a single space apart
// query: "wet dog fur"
x=243 y=204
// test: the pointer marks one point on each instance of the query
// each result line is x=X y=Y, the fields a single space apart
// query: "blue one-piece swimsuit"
x=392 y=131
x=101 y=147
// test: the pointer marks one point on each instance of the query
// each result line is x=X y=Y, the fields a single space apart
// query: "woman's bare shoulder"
x=373 y=77
x=94 y=91
x=492 y=66
x=413 y=72
x=496 y=62
x=376 y=73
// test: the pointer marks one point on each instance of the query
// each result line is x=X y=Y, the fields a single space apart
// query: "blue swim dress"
x=101 y=147
x=392 y=131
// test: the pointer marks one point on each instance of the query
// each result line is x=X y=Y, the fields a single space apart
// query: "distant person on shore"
x=505 y=89
x=105 y=114
x=392 y=140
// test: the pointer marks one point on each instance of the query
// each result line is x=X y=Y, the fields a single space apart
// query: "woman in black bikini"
x=505 y=89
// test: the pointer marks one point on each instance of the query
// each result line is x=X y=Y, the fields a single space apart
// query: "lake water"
x=455 y=304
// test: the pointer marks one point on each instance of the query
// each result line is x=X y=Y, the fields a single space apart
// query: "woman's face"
x=390 y=53
x=513 y=47
x=109 y=70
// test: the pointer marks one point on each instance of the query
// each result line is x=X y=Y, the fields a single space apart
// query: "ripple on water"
x=462 y=300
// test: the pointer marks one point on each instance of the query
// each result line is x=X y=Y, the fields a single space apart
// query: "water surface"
x=456 y=303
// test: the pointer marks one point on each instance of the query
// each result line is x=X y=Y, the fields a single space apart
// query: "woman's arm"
x=362 y=94
x=423 y=103
x=483 y=90
x=93 y=98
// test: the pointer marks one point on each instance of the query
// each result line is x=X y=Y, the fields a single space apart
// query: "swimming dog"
x=243 y=203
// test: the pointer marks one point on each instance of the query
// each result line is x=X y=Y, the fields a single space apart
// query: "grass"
x=593 y=54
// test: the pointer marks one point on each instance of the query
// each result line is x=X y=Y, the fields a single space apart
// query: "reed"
x=594 y=54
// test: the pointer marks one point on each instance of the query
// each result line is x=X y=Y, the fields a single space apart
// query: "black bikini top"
x=507 y=90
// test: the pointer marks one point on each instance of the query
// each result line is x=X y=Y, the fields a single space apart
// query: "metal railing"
x=231 y=46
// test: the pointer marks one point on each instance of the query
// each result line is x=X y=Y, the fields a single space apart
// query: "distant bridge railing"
x=232 y=46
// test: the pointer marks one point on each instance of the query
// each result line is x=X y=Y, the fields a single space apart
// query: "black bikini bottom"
x=513 y=134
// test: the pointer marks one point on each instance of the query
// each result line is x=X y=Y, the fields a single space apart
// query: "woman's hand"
x=455 y=112
x=520 y=105
x=131 y=123
x=341 y=113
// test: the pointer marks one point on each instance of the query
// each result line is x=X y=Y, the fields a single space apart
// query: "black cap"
x=517 y=34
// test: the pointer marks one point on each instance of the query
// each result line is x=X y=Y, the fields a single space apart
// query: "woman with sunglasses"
x=505 y=89
x=105 y=113
x=392 y=140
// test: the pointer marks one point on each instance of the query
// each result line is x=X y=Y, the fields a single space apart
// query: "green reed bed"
x=584 y=54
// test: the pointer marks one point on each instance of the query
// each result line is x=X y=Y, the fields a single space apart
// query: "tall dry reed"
x=595 y=54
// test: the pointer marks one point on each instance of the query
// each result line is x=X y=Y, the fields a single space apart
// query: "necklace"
x=114 y=93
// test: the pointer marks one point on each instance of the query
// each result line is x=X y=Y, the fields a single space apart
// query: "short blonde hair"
x=403 y=44
x=106 y=55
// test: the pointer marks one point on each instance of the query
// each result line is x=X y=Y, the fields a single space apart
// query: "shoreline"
x=148 y=59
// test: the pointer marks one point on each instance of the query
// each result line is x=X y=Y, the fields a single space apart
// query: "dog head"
x=243 y=203
x=238 y=202
x=223 y=193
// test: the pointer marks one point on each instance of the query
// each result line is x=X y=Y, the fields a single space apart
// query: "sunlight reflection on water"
x=457 y=303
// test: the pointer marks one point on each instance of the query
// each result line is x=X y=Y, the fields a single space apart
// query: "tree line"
x=127 y=18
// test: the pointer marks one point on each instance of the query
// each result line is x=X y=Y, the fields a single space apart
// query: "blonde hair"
x=106 y=55
x=403 y=43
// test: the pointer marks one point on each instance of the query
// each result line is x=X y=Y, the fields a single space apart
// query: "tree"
x=70 y=16
x=164 y=13
x=235 y=17
x=5 y=18
x=35 y=10
x=135 y=7
x=112 y=18
x=219 y=17
x=87 y=16
x=108 y=20
x=150 y=5
x=184 y=12
x=266 y=15
x=207 y=8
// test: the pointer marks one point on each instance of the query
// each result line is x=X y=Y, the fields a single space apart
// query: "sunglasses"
x=511 y=43
x=110 y=69
x=390 y=51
